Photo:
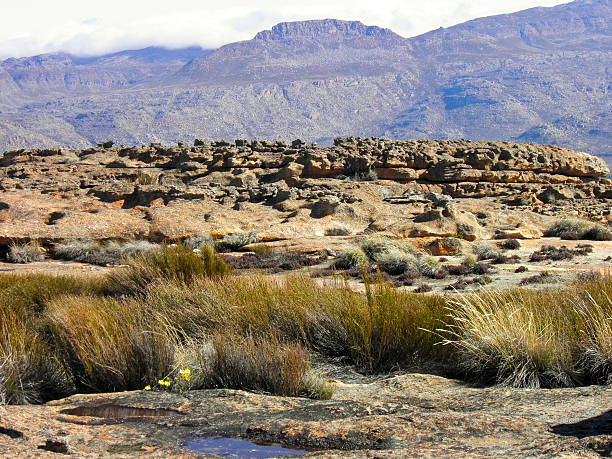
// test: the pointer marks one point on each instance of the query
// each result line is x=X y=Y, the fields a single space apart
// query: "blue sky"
x=81 y=27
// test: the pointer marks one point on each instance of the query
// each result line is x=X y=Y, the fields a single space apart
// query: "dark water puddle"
x=234 y=448
x=111 y=411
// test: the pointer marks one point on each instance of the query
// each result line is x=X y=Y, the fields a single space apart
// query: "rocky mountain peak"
x=327 y=28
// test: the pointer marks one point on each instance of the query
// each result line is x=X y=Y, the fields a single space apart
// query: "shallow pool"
x=232 y=447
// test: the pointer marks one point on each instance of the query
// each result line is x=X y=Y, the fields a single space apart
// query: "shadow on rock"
x=599 y=425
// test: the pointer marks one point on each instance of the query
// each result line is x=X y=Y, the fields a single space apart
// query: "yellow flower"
x=147 y=387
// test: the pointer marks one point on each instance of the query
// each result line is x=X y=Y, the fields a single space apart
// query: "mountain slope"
x=539 y=75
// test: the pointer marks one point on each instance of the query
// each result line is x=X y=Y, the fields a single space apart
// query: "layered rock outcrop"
x=355 y=178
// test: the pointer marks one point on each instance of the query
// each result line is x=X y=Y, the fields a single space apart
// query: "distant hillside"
x=542 y=75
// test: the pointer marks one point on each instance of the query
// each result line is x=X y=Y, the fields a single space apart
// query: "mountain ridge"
x=537 y=75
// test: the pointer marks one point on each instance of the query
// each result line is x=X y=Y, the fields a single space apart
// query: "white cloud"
x=80 y=27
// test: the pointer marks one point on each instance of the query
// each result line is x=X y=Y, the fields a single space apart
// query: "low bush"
x=430 y=267
x=549 y=252
x=233 y=242
x=458 y=270
x=469 y=261
x=510 y=244
x=275 y=262
x=486 y=251
x=576 y=229
x=350 y=257
x=541 y=278
x=197 y=242
x=396 y=262
x=373 y=246
x=26 y=253
x=338 y=230
x=262 y=250
x=100 y=253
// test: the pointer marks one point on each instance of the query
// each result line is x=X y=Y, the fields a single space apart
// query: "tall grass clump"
x=108 y=344
x=390 y=329
x=534 y=339
x=350 y=257
x=254 y=363
x=25 y=253
x=179 y=263
x=376 y=332
x=596 y=352
x=576 y=229
x=29 y=371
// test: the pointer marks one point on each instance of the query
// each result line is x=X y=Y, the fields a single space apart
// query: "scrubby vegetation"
x=376 y=245
x=549 y=252
x=350 y=257
x=576 y=229
x=235 y=241
x=177 y=308
x=270 y=261
x=338 y=230
x=100 y=253
x=25 y=253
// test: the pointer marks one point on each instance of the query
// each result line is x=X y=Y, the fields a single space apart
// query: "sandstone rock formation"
x=411 y=188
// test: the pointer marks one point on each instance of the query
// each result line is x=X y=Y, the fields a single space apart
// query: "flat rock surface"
x=410 y=415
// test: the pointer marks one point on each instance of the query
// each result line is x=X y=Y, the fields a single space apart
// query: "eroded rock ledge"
x=43 y=190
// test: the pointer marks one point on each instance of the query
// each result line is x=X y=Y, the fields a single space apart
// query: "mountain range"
x=541 y=75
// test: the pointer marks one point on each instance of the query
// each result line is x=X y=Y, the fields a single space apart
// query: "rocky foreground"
x=412 y=415
x=298 y=191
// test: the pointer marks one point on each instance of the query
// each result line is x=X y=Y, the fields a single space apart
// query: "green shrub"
x=350 y=257
x=25 y=253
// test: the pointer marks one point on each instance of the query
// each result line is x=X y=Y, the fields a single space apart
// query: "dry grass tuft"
x=26 y=253
x=534 y=338
x=179 y=263
x=254 y=363
x=108 y=344
x=576 y=229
